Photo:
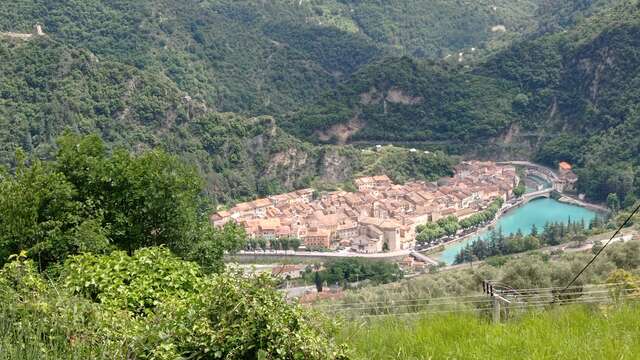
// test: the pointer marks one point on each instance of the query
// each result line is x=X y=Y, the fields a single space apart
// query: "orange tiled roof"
x=564 y=165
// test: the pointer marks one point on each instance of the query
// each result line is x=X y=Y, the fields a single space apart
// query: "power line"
x=521 y=295
x=510 y=307
x=407 y=300
x=517 y=306
x=401 y=302
x=523 y=300
x=424 y=312
x=343 y=310
x=538 y=290
x=597 y=293
x=583 y=297
x=605 y=245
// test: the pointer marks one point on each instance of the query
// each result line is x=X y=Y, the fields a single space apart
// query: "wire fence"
x=511 y=301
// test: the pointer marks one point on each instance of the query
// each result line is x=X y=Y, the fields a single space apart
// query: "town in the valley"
x=379 y=216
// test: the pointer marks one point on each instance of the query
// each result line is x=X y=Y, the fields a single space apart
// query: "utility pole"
x=497 y=301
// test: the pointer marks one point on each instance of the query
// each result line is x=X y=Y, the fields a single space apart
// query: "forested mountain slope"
x=162 y=73
x=158 y=73
x=407 y=99
x=249 y=56
x=47 y=88
x=263 y=57
x=580 y=95
x=570 y=95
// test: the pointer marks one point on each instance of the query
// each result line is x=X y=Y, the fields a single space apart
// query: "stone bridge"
x=545 y=193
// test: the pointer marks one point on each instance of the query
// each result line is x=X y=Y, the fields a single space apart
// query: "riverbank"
x=571 y=200
x=440 y=250
x=521 y=217
x=437 y=250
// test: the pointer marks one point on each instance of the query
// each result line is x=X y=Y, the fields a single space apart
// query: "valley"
x=319 y=179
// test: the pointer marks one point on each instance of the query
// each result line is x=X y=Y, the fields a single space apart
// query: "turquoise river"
x=538 y=212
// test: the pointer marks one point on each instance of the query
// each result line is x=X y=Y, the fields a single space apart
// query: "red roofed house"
x=564 y=166
x=568 y=178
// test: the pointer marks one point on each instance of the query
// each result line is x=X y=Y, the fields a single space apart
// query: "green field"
x=576 y=332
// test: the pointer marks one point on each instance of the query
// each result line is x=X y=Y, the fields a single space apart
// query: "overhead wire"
x=604 y=247
x=582 y=290
x=480 y=309
x=518 y=302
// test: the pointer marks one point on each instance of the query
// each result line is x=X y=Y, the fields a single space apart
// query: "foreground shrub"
x=136 y=283
x=40 y=321
x=239 y=318
x=152 y=306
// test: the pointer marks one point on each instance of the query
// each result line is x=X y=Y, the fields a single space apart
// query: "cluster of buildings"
x=379 y=216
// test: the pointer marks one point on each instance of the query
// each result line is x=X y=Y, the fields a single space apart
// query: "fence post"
x=496 y=310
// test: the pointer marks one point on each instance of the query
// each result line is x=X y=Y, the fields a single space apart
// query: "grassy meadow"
x=576 y=332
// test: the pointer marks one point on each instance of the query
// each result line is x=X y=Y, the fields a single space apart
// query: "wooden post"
x=497 y=299
x=496 y=310
x=506 y=310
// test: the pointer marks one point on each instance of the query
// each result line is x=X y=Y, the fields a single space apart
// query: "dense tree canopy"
x=142 y=79
x=92 y=200
x=339 y=272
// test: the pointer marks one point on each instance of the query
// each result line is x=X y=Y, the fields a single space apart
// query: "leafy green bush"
x=39 y=320
x=240 y=318
x=137 y=283
x=153 y=306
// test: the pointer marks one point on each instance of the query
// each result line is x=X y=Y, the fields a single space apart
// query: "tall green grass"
x=575 y=332
x=34 y=341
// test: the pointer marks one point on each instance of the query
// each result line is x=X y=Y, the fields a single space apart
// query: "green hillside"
x=156 y=73
x=237 y=56
x=581 y=96
x=436 y=28
x=569 y=95
x=48 y=87
x=406 y=99
x=265 y=57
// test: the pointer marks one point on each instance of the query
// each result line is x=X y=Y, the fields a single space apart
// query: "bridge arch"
x=546 y=193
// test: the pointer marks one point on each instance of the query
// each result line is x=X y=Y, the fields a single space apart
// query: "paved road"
x=332 y=254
